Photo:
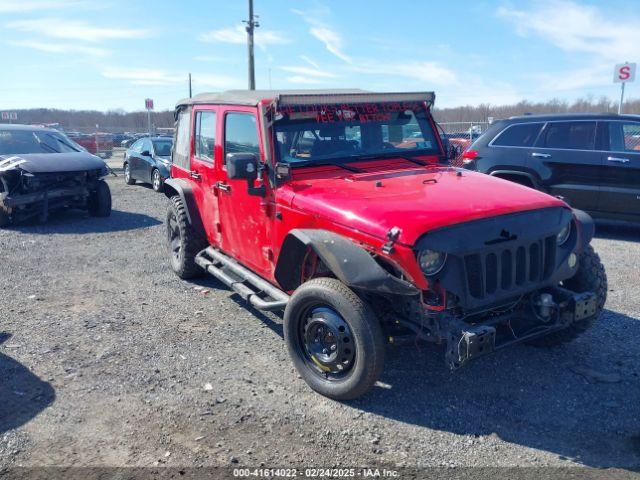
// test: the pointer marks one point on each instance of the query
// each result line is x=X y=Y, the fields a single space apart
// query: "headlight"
x=563 y=235
x=431 y=262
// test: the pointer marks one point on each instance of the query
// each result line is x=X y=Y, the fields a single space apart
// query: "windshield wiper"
x=42 y=144
x=326 y=162
x=389 y=155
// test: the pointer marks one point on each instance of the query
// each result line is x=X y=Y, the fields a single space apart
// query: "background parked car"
x=591 y=160
x=148 y=160
x=99 y=144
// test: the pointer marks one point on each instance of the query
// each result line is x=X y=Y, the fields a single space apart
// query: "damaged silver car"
x=41 y=170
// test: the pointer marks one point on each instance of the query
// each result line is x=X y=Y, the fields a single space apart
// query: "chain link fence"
x=460 y=135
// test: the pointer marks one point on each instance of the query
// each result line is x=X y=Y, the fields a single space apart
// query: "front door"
x=566 y=151
x=621 y=176
x=244 y=218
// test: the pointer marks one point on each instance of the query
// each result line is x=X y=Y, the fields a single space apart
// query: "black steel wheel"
x=334 y=339
x=182 y=242
x=128 y=179
x=156 y=180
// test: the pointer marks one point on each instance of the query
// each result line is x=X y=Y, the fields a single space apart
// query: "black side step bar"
x=257 y=291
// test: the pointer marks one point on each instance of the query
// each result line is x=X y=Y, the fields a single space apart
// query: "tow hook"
x=392 y=237
x=469 y=343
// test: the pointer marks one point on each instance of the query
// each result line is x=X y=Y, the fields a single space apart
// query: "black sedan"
x=149 y=161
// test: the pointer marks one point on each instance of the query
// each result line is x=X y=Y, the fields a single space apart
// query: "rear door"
x=146 y=161
x=621 y=174
x=204 y=159
x=570 y=166
x=510 y=149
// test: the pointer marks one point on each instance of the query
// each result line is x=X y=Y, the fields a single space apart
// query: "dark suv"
x=590 y=160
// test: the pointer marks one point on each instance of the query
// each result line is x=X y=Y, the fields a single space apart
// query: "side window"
x=624 y=137
x=240 y=133
x=569 y=135
x=137 y=146
x=181 y=145
x=521 y=135
x=205 y=134
x=146 y=145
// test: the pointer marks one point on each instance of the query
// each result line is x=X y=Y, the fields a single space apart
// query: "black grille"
x=509 y=268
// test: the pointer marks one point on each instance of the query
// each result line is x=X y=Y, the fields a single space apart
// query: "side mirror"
x=146 y=153
x=242 y=166
x=245 y=166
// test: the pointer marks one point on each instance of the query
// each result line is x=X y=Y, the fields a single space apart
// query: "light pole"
x=251 y=25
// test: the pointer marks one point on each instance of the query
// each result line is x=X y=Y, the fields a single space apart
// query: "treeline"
x=86 y=120
x=482 y=112
x=119 y=120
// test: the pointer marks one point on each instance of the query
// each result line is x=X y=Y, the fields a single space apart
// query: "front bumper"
x=468 y=341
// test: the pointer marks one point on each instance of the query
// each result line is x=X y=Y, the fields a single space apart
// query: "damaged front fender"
x=351 y=264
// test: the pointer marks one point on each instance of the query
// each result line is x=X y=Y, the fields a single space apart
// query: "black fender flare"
x=351 y=264
x=585 y=226
x=184 y=189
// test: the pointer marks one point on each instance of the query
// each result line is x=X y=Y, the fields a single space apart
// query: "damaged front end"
x=32 y=188
x=504 y=280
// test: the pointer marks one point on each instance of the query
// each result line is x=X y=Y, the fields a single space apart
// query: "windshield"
x=331 y=133
x=29 y=141
x=162 y=147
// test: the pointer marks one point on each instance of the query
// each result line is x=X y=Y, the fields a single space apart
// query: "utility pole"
x=251 y=25
x=189 y=85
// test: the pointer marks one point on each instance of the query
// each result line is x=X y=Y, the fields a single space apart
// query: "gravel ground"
x=108 y=359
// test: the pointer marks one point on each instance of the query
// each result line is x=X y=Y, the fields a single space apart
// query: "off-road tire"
x=128 y=179
x=590 y=277
x=365 y=328
x=99 y=203
x=184 y=264
x=157 y=185
x=5 y=218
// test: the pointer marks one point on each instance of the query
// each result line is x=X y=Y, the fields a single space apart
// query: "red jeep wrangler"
x=315 y=202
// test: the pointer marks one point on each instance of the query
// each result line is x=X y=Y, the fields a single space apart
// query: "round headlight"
x=431 y=262
x=563 y=235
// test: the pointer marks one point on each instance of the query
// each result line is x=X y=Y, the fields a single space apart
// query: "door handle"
x=618 y=159
x=540 y=155
x=195 y=175
x=223 y=186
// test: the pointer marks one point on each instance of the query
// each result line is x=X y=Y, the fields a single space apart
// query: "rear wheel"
x=100 y=200
x=182 y=241
x=128 y=179
x=156 y=180
x=334 y=339
x=590 y=277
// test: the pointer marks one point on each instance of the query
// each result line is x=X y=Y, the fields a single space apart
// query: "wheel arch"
x=517 y=176
x=182 y=188
x=351 y=264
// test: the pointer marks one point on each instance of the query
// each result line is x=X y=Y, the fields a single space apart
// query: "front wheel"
x=156 y=180
x=128 y=179
x=334 y=339
x=100 y=200
x=590 y=277
x=182 y=241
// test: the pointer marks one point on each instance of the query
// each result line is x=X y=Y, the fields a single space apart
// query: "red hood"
x=414 y=199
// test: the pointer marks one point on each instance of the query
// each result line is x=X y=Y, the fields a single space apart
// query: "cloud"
x=428 y=73
x=238 y=35
x=159 y=77
x=307 y=75
x=580 y=28
x=208 y=58
x=14 y=6
x=313 y=63
x=331 y=39
x=61 y=48
x=143 y=76
x=75 y=30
